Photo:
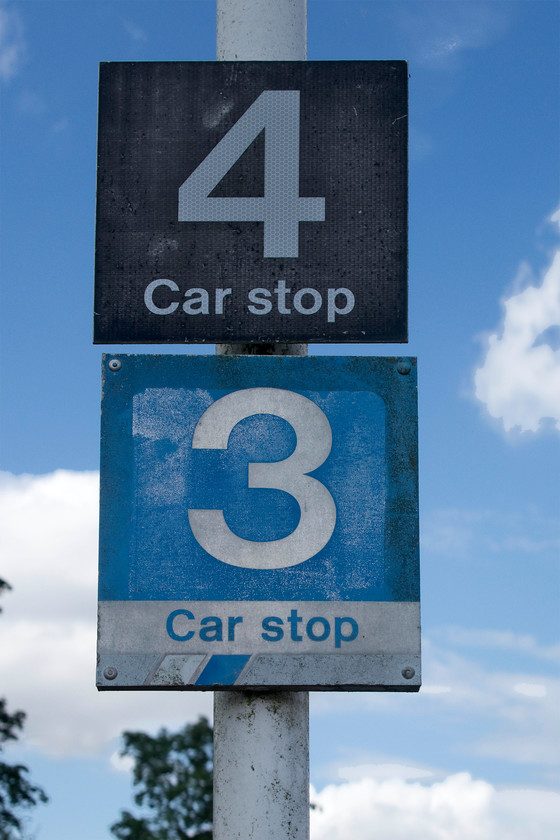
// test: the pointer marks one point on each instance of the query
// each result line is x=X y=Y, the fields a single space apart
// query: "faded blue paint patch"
x=354 y=473
x=222 y=670
x=151 y=476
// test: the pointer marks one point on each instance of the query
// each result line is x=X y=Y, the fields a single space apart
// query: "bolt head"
x=408 y=673
x=114 y=364
x=404 y=366
x=110 y=673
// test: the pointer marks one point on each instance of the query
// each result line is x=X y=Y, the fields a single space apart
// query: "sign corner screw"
x=408 y=673
x=115 y=364
x=110 y=673
x=404 y=366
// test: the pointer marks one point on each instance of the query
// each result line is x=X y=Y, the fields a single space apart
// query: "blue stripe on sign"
x=222 y=670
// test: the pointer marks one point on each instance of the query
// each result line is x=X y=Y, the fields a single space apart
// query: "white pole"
x=261 y=30
x=261 y=766
x=261 y=740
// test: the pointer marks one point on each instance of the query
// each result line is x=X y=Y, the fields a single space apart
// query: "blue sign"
x=259 y=523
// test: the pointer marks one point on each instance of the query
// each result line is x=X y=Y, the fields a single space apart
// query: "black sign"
x=252 y=201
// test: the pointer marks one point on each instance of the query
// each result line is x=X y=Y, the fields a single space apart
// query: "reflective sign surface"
x=252 y=201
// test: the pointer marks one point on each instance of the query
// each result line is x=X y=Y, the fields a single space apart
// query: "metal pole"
x=261 y=765
x=261 y=740
x=261 y=30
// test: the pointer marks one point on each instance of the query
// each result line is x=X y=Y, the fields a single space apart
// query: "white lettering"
x=315 y=306
x=197 y=302
x=306 y=301
x=148 y=297
x=220 y=295
x=256 y=296
x=281 y=291
x=332 y=308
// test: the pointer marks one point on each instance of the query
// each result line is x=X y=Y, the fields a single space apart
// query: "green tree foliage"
x=16 y=791
x=172 y=776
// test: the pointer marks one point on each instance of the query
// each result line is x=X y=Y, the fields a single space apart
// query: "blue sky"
x=477 y=749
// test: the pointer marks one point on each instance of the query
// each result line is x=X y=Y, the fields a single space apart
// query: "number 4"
x=281 y=209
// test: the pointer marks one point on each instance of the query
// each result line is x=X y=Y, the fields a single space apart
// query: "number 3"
x=318 y=511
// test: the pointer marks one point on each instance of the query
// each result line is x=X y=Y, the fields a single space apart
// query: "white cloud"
x=519 y=379
x=518 y=726
x=380 y=772
x=12 y=43
x=135 y=32
x=439 y=32
x=452 y=532
x=456 y=808
x=460 y=691
x=461 y=533
x=500 y=640
x=531 y=689
x=48 y=545
x=121 y=763
x=436 y=689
